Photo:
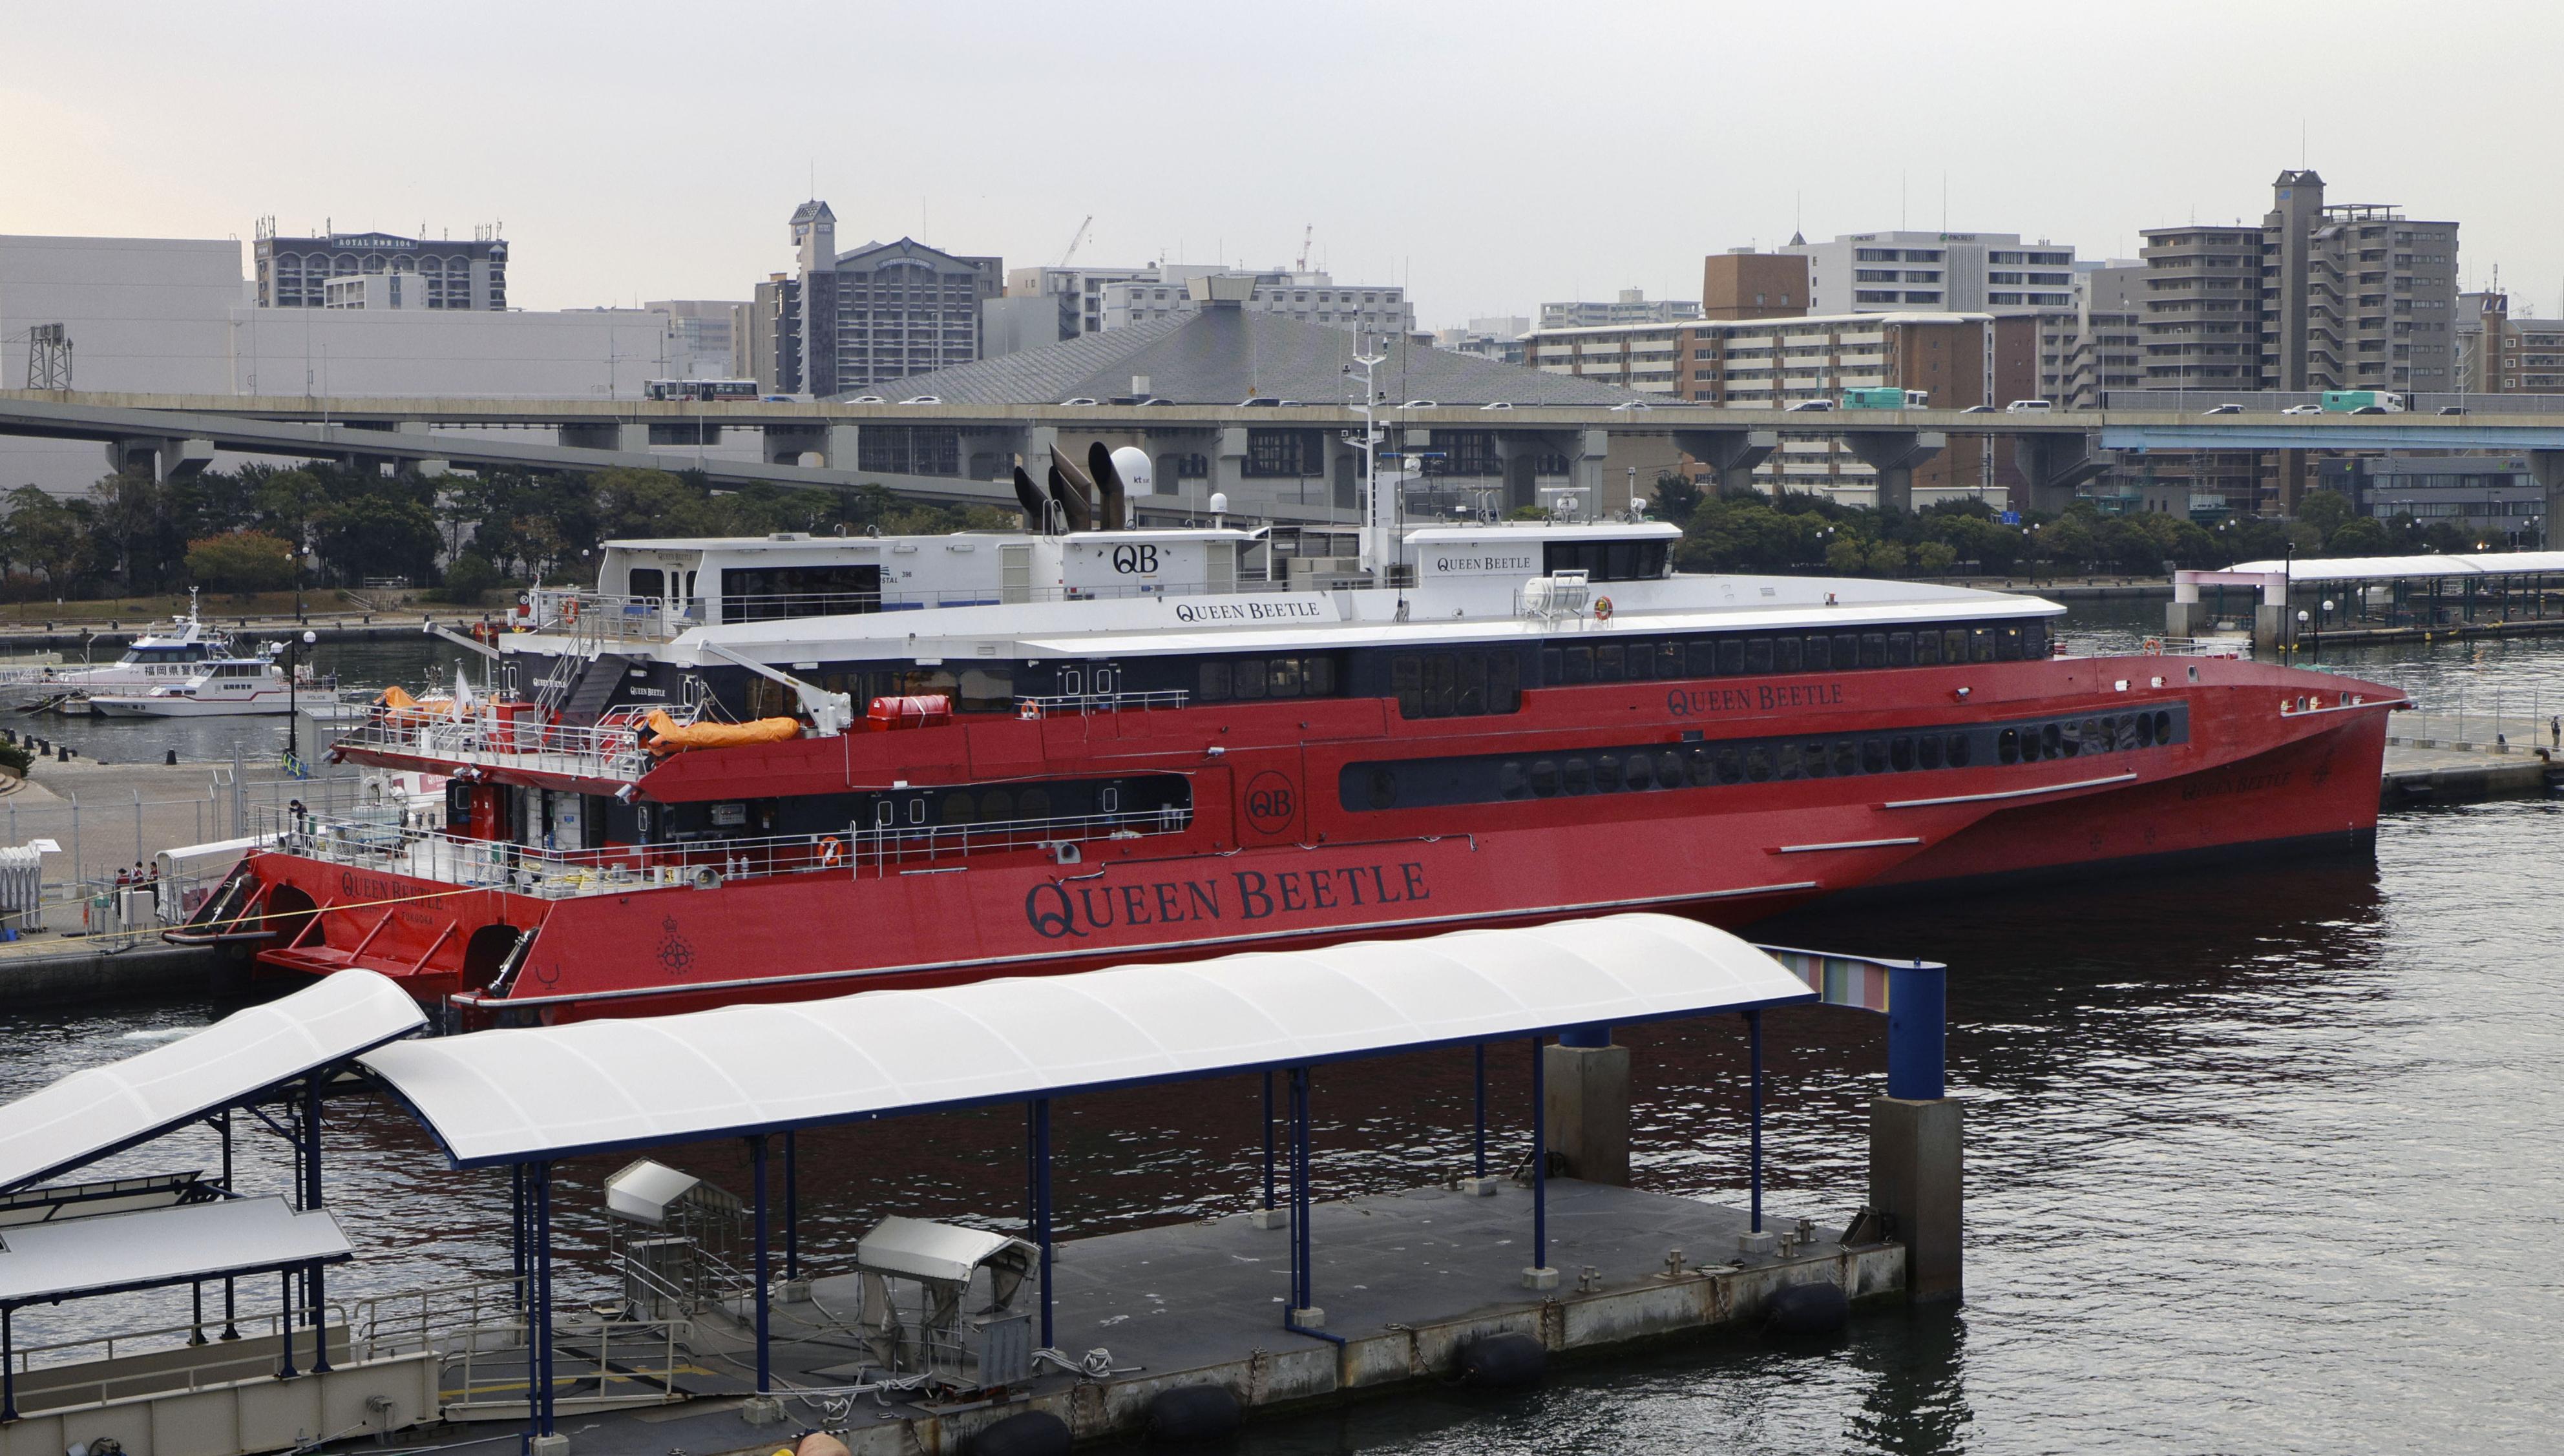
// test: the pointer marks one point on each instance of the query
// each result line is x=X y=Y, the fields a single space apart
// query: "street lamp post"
x=294 y=648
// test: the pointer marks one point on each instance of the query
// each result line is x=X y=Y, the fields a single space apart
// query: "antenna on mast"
x=1305 y=235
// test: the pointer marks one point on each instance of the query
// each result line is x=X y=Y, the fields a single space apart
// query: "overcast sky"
x=1492 y=155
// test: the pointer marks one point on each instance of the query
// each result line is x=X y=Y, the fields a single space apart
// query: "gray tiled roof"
x=1224 y=354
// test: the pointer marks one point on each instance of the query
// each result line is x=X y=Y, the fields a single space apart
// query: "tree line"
x=237 y=531
x=1794 y=531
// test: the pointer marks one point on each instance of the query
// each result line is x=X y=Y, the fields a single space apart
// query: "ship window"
x=1900 y=649
x=1788 y=758
x=1819 y=654
x=1606 y=772
x=1758 y=763
x=1440 y=684
x=2008 y=745
x=1814 y=758
x=1731 y=766
x=2008 y=642
x=2163 y=727
x=1784 y=654
x=1669 y=660
x=773 y=594
x=957 y=808
x=1980 y=644
x=1873 y=649
x=1873 y=756
x=1958 y=750
x=1607 y=664
x=1282 y=677
x=1504 y=683
x=1847 y=758
x=1550 y=668
x=1641 y=657
x=1954 y=644
x=1757 y=654
x=2145 y=732
x=1927 y=750
x=1036 y=803
x=648 y=581
x=1846 y=651
x=1731 y=656
x=1472 y=695
x=1927 y=648
x=1579 y=662
x=1900 y=754
x=2034 y=639
x=1510 y=780
x=1697 y=770
x=2050 y=742
x=1544 y=778
x=1700 y=658
x=1406 y=684
x=1384 y=788
x=916 y=810
x=1246 y=678
x=2123 y=732
x=1579 y=776
x=1639 y=771
x=986 y=690
x=1215 y=681
x=997 y=806
x=1670 y=769
x=2071 y=738
x=1318 y=676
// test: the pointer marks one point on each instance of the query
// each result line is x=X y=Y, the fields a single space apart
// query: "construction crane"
x=1307 y=234
x=1074 y=239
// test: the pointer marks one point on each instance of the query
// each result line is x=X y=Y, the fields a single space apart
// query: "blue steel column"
x=791 y=1209
x=284 y=1325
x=1753 y=1156
x=1041 y=1205
x=764 y=1349
x=1302 y=1279
x=1596 y=1035
x=1539 y=1159
x=542 y=1357
x=312 y=1199
x=517 y=1232
x=231 y=1289
x=1917 y=1031
x=1478 y=1057
x=8 y=1367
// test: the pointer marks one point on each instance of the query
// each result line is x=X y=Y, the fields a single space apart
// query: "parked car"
x=868 y=399
x=2222 y=409
x=2304 y=409
x=1978 y=409
x=1421 y=404
x=923 y=399
x=1078 y=400
x=2372 y=409
x=1807 y=406
x=2029 y=407
x=1497 y=404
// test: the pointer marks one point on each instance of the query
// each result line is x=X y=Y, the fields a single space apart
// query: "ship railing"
x=2199 y=647
x=594 y=619
x=1044 y=705
x=379 y=840
x=500 y=737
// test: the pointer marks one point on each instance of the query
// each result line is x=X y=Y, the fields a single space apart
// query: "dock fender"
x=1025 y=1433
x=1803 y=1310
x=1193 y=1414
x=1505 y=1361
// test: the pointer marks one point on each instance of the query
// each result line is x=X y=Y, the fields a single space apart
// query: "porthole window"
x=2145 y=730
x=1639 y=771
x=2163 y=727
x=1670 y=769
x=1958 y=754
x=997 y=806
x=2008 y=747
x=1698 y=771
x=1758 y=763
x=1511 y=781
x=1900 y=754
x=2052 y=741
x=1579 y=776
x=1544 y=778
x=1606 y=772
x=1873 y=756
x=1847 y=758
x=1927 y=750
x=1731 y=766
x=1815 y=758
x=1786 y=762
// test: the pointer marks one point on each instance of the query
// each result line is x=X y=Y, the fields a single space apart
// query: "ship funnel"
x=1036 y=507
x=1080 y=489
x=1072 y=506
x=1108 y=481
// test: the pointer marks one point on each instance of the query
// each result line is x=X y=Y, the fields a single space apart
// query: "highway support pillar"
x=1915 y=1161
x=1587 y=1093
x=2546 y=467
x=2056 y=464
x=629 y=436
x=1893 y=454
x=1733 y=454
x=165 y=459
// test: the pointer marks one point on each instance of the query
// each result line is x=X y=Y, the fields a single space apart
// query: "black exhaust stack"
x=1029 y=496
x=1072 y=506
x=1117 y=509
x=1081 y=489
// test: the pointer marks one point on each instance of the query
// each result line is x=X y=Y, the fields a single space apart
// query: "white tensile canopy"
x=542 y=1093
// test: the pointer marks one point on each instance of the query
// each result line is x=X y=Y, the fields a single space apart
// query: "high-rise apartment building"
x=702 y=340
x=294 y=273
x=1632 y=307
x=2499 y=355
x=2099 y=343
x=1891 y=271
x=2321 y=296
x=882 y=312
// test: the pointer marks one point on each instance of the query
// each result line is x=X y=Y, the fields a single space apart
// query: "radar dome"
x=1138 y=476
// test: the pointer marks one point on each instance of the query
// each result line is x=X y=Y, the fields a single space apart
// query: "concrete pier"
x=1407 y=1279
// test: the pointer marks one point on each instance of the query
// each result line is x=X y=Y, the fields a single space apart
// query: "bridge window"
x=773 y=594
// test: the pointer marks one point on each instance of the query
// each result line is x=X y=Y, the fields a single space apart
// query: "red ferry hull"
x=2250 y=774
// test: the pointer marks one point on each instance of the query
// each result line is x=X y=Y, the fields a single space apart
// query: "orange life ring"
x=830 y=851
x=572 y=614
x=1602 y=609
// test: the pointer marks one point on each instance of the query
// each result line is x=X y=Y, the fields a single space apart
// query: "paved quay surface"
x=1404 y=1278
